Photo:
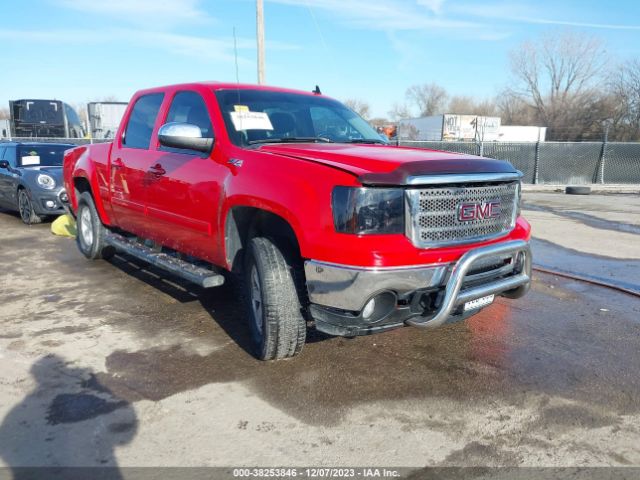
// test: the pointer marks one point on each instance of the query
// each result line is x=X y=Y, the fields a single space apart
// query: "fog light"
x=379 y=307
x=369 y=308
x=50 y=204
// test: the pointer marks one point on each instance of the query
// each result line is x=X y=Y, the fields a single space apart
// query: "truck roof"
x=36 y=100
x=214 y=85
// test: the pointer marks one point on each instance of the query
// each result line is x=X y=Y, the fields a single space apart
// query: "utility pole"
x=260 y=39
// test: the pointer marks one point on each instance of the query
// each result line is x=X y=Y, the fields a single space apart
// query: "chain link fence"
x=561 y=163
x=74 y=141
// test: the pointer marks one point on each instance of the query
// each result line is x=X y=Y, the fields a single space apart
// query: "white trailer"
x=104 y=118
x=522 y=133
x=450 y=127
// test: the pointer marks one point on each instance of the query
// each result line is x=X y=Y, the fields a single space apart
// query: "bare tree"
x=487 y=108
x=461 y=105
x=429 y=98
x=557 y=78
x=400 y=111
x=513 y=110
x=361 y=107
x=4 y=114
x=625 y=101
x=466 y=105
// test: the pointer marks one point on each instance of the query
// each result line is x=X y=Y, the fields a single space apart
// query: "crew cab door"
x=184 y=188
x=129 y=163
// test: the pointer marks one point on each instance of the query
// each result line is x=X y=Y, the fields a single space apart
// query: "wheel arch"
x=82 y=184
x=22 y=186
x=244 y=222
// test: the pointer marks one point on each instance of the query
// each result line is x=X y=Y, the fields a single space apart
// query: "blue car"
x=31 y=179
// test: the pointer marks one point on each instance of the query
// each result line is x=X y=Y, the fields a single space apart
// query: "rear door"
x=184 y=190
x=130 y=160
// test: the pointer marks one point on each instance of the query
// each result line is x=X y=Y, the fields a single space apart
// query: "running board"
x=199 y=275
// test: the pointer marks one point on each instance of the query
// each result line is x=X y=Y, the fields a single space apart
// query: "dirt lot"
x=109 y=363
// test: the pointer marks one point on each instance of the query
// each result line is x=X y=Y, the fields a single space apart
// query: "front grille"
x=434 y=213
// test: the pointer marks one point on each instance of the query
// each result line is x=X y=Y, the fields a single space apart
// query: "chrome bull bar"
x=454 y=297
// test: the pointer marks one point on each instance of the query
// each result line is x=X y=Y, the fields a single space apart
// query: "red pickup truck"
x=295 y=195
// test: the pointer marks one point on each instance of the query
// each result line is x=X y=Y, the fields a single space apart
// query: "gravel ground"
x=114 y=364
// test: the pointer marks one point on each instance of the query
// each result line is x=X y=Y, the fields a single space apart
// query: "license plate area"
x=479 y=303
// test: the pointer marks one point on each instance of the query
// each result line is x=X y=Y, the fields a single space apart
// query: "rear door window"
x=141 y=121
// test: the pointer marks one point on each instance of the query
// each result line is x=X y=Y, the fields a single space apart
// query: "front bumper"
x=49 y=202
x=421 y=296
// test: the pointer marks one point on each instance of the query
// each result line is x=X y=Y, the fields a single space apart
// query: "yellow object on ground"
x=64 y=226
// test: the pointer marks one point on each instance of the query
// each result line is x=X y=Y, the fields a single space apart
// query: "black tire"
x=577 y=190
x=25 y=208
x=278 y=327
x=90 y=230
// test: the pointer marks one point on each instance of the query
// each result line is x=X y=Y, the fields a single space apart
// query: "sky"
x=90 y=50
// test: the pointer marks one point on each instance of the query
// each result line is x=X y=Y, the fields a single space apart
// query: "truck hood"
x=386 y=165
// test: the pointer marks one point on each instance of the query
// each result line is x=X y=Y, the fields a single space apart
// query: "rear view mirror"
x=184 y=135
x=4 y=164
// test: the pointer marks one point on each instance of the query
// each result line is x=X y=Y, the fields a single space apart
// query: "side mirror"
x=184 y=135
x=4 y=164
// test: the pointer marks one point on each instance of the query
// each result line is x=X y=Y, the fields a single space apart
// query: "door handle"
x=157 y=170
x=117 y=163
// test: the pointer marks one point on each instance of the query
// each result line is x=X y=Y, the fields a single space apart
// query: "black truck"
x=32 y=118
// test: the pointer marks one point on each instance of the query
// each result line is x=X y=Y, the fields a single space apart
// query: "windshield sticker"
x=31 y=160
x=241 y=108
x=246 y=120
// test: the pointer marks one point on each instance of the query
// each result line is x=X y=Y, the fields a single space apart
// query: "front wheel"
x=90 y=230
x=277 y=324
x=25 y=207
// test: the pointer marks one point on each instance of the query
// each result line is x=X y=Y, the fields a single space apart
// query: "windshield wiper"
x=366 y=140
x=290 y=140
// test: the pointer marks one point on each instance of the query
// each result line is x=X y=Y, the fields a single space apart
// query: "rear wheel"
x=25 y=208
x=277 y=324
x=90 y=230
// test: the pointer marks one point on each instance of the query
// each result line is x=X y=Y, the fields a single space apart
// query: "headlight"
x=46 y=181
x=368 y=210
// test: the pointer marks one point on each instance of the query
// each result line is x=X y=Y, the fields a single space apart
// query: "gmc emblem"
x=468 y=211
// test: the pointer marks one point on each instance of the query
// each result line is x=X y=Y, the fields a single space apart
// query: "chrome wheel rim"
x=256 y=298
x=86 y=227
x=24 y=206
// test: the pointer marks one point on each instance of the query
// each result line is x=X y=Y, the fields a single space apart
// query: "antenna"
x=235 y=53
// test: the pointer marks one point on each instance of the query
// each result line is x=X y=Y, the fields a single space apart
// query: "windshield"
x=41 y=155
x=261 y=116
